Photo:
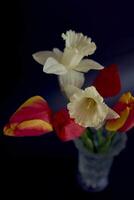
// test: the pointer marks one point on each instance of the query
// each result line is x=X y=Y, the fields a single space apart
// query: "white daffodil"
x=69 y=65
x=87 y=107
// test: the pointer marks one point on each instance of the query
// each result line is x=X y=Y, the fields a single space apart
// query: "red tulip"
x=65 y=127
x=108 y=82
x=125 y=108
x=32 y=118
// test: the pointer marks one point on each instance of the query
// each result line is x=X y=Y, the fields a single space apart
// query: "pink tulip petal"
x=65 y=127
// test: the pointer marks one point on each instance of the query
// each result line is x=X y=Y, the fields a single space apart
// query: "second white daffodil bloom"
x=87 y=107
x=69 y=64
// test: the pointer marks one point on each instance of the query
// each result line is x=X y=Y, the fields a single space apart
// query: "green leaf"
x=87 y=141
x=104 y=147
x=100 y=137
x=89 y=133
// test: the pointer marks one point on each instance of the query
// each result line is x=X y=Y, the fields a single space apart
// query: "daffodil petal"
x=87 y=64
x=71 y=57
x=58 y=53
x=112 y=114
x=115 y=124
x=71 y=78
x=42 y=56
x=52 y=66
x=70 y=90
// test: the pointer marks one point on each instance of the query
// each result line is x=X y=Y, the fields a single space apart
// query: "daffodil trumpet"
x=88 y=108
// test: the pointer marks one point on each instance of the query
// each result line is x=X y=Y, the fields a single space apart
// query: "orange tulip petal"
x=125 y=98
x=129 y=122
x=33 y=128
x=8 y=130
x=115 y=124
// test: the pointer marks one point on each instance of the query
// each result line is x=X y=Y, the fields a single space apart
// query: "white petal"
x=42 y=56
x=71 y=90
x=112 y=114
x=71 y=58
x=71 y=78
x=58 y=53
x=52 y=66
x=87 y=64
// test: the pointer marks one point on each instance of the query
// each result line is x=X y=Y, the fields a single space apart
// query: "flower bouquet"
x=98 y=131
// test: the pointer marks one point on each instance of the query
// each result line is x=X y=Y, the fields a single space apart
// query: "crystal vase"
x=94 y=168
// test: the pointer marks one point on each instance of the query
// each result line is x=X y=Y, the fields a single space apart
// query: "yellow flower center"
x=90 y=103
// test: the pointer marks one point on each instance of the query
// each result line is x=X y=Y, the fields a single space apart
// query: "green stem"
x=108 y=141
x=87 y=140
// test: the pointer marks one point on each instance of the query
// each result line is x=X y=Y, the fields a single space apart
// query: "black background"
x=45 y=166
